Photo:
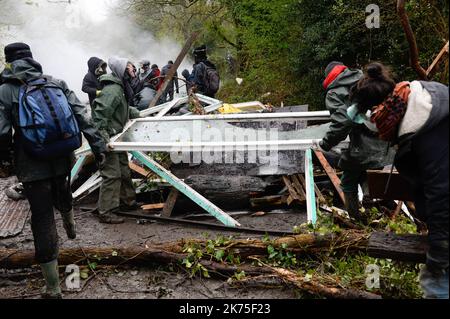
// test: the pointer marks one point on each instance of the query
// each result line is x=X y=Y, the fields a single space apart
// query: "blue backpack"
x=47 y=123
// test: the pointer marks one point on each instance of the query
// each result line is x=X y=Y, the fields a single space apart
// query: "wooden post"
x=331 y=174
x=174 y=68
x=310 y=192
x=170 y=203
x=436 y=61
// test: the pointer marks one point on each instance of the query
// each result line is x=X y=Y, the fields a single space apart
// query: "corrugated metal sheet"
x=13 y=215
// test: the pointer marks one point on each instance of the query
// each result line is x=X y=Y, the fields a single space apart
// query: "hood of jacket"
x=440 y=110
x=94 y=63
x=118 y=66
x=110 y=78
x=347 y=78
x=22 y=70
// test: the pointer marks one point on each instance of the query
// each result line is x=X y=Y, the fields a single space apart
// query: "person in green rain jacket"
x=365 y=151
x=110 y=113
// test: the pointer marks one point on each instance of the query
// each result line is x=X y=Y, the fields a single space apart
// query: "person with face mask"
x=111 y=112
x=91 y=85
x=145 y=70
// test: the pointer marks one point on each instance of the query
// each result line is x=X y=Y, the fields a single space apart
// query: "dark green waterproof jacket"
x=110 y=110
x=365 y=150
x=27 y=168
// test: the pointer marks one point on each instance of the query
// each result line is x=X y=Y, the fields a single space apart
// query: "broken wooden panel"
x=186 y=190
x=13 y=215
x=238 y=163
x=221 y=133
x=399 y=188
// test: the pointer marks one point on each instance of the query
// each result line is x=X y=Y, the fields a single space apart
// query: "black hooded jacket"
x=90 y=82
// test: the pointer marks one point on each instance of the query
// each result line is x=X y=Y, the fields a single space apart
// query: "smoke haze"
x=64 y=36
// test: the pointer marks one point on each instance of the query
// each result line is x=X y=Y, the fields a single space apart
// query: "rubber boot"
x=51 y=276
x=110 y=218
x=69 y=224
x=352 y=206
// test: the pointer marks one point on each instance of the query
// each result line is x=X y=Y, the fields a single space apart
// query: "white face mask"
x=354 y=115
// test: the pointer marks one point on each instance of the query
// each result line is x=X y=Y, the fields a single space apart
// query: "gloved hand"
x=98 y=93
x=185 y=74
x=317 y=146
x=100 y=159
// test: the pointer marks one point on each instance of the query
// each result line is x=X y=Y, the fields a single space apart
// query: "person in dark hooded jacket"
x=46 y=182
x=365 y=150
x=197 y=78
x=415 y=117
x=91 y=85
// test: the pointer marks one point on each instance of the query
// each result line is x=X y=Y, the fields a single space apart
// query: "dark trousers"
x=43 y=196
x=431 y=153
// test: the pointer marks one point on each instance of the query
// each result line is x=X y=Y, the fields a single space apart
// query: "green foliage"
x=214 y=250
x=283 y=46
x=397 y=280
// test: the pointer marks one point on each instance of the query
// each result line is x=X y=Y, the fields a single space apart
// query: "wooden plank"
x=319 y=195
x=91 y=185
x=141 y=171
x=408 y=248
x=170 y=203
x=292 y=191
x=299 y=186
x=276 y=200
x=186 y=190
x=331 y=174
x=310 y=194
x=153 y=206
x=174 y=68
x=166 y=109
x=438 y=59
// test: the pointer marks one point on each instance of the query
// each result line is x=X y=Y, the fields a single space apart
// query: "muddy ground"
x=139 y=283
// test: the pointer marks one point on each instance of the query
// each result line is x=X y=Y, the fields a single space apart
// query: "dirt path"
x=149 y=283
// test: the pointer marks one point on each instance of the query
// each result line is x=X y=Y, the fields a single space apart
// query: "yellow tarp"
x=229 y=109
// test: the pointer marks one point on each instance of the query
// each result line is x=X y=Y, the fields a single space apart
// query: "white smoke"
x=63 y=36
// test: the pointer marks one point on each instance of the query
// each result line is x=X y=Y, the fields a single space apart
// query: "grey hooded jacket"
x=110 y=110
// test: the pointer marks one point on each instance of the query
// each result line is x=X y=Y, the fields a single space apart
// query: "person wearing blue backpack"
x=204 y=77
x=41 y=121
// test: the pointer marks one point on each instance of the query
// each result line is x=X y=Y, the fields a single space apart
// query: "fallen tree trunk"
x=316 y=288
x=404 y=248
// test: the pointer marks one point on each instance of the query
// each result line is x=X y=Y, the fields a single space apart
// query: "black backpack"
x=211 y=79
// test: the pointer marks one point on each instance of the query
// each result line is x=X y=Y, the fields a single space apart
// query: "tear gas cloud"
x=64 y=36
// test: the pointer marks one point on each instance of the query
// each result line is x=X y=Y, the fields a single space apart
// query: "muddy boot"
x=352 y=207
x=69 y=224
x=131 y=208
x=51 y=276
x=110 y=218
